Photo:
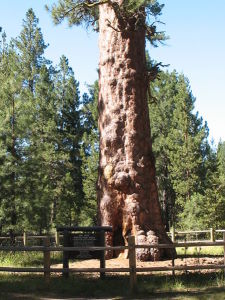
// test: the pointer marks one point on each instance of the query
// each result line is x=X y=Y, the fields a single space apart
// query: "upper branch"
x=131 y=14
x=94 y=4
x=75 y=11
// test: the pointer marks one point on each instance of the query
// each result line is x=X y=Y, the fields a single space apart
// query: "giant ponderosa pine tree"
x=127 y=189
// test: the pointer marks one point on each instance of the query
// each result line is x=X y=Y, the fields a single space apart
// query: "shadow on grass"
x=205 y=294
x=190 y=286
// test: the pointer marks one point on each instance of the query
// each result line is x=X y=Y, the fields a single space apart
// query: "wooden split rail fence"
x=27 y=237
x=212 y=234
x=132 y=269
x=174 y=234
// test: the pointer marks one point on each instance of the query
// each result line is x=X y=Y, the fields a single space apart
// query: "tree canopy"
x=133 y=15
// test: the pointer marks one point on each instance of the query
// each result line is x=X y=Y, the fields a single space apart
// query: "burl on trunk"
x=127 y=190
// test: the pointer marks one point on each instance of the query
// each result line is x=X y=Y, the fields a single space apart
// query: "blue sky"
x=196 y=48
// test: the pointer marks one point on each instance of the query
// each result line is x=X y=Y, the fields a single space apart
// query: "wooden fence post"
x=57 y=238
x=25 y=239
x=173 y=264
x=173 y=237
x=47 y=260
x=212 y=235
x=65 y=272
x=102 y=253
x=132 y=263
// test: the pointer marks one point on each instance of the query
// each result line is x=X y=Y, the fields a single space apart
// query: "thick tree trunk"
x=127 y=190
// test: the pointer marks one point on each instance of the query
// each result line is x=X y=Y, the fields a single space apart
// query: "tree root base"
x=145 y=254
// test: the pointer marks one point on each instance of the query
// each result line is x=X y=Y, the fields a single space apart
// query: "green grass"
x=35 y=259
x=27 y=286
x=202 y=251
x=27 y=259
x=191 y=286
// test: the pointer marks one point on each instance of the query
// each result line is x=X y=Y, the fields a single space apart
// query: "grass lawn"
x=201 y=251
x=35 y=259
x=185 y=286
x=190 y=286
x=27 y=259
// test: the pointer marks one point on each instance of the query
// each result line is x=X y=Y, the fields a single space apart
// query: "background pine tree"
x=90 y=155
x=69 y=205
x=11 y=140
x=179 y=143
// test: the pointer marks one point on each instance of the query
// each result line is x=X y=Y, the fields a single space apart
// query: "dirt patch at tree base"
x=124 y=263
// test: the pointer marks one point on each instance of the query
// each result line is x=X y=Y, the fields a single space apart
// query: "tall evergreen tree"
x=40 y=166
x=221 y=159
x=40 y=136
x=179 y=143
x=33 y=71
x=70 y=132
x=162 y=105
x=90 y=155
x=187 y=141
x=31 y=46
x=214 y=203
x=10 y=137
x=127 y=191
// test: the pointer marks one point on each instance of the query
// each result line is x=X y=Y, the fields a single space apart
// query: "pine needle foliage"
x=141 y=13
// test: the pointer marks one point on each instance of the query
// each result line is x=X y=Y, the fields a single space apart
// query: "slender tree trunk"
x=127 y=190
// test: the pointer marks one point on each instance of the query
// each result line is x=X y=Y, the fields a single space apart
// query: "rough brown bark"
x=127 y=190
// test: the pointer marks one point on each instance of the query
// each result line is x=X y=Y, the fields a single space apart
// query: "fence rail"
x=132 y=269
x=55 y=237
x=98 y=248
x=212 y=234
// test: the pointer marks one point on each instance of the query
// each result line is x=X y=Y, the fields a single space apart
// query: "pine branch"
x=131 y=15
x=152 y=75
x=94 y=4
x=78 y=11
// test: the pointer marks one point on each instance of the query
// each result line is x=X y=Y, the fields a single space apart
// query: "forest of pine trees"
x=49 y=145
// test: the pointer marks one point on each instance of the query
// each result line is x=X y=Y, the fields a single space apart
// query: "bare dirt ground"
x=124 y=263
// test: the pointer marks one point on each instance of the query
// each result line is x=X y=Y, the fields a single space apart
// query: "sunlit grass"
x=26 y=259
x=206 y=250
